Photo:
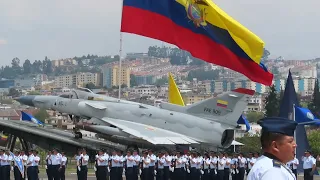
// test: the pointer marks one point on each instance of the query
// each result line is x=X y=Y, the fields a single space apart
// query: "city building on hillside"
x=191 y=98
x=145 y=79
x=145 y=90
x=110 y=76
x=75 y=80
x=25 y=83
x=6 y=83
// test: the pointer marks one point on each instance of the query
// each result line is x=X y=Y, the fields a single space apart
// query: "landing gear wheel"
x=77 y=133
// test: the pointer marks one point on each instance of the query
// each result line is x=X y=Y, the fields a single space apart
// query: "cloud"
x=3 y=42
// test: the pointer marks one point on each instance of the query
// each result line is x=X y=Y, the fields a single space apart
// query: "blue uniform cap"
x=278 y=125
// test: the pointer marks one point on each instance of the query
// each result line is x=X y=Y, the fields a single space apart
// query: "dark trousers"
x=151 y=173
x=120 y=172
x=5 y=172
x=32 y=173
x=113 y=173
x=83 y=174
x=241 y=173
x=307 y=175
x=206 y=175
x=129 y=173
x=295 y=173
x=179 y=174
x=145 y=174
x=135 y=173
x=78 y=173
x=226 y=175
x=62 y=171
x=166 y=173
x=213 y=175
x=17 y=174
x=49 y=172
x=160 y=174
x=55 y=172
x=194 y=173
x=220 y=174
x=102 y=172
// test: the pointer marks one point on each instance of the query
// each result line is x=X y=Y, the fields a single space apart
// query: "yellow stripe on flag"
x=250 y=43
x=174 y=93
x=222 y=102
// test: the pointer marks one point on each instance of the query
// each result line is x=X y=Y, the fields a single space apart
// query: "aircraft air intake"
x=227 y=138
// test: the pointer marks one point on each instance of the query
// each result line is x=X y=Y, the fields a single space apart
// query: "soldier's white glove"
x=155 y=172
x=79 y=169
x=188 y=170
x=140 y=172
x=108 y=169
x=201 y=171
x=94 y=167
x=215 y=171
x=171 y=169
x=237 y=171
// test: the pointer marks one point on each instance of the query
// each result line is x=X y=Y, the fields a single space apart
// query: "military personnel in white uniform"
x=242 y=163
x=136 y=164
x=309 y=165
x=145 y=160
x=278 y=145
x=63 y=164
x=293 y=165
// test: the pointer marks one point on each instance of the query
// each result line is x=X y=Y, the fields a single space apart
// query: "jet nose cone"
x=26 y=100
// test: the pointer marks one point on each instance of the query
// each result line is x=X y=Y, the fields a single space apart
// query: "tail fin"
x=174 y=95
x=225 y=108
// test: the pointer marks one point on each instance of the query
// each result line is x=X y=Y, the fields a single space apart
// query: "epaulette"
x=276 y=163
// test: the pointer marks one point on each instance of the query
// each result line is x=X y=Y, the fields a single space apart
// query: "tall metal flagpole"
x=120 y=55
x=295 y=132
x=120 y=68
x=234 y=139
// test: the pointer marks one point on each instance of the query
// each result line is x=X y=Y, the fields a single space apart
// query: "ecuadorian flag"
x=203 y=29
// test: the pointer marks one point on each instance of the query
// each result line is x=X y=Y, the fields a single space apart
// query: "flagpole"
x=120 y=55
x=234 y=139
x=294 y=119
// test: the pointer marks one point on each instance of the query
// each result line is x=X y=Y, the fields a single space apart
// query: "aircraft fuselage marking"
x=212 y=111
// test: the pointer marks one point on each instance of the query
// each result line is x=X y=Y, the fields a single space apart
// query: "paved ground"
x=73 y=176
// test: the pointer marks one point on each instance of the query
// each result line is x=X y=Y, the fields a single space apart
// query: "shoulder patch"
x=276 y=163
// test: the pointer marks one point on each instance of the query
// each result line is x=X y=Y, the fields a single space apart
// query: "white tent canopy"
x=236 y=143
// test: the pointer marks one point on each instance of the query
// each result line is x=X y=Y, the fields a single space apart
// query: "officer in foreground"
x=278 y=145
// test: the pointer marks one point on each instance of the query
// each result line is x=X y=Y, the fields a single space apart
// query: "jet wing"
x=151 y=134
x=48 y=137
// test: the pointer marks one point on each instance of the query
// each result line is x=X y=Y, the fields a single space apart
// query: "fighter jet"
x=210 y=122
x=87 y=94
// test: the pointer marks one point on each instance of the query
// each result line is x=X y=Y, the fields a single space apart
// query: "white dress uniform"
x=266 y=168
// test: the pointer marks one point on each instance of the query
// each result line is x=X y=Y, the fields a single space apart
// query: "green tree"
x=251 y=143
x=272 y=103
x=254 y=116
x=27 y=67
x=314 y=140
x=90 y=86
x=13 y=92
x=41 y=115
x=161 y=81
x=314 y=105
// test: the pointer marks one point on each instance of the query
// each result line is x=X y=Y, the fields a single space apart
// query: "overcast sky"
x=32 y=29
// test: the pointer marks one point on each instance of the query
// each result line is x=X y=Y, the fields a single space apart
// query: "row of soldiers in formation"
x=55 y=165
x=164 y=166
